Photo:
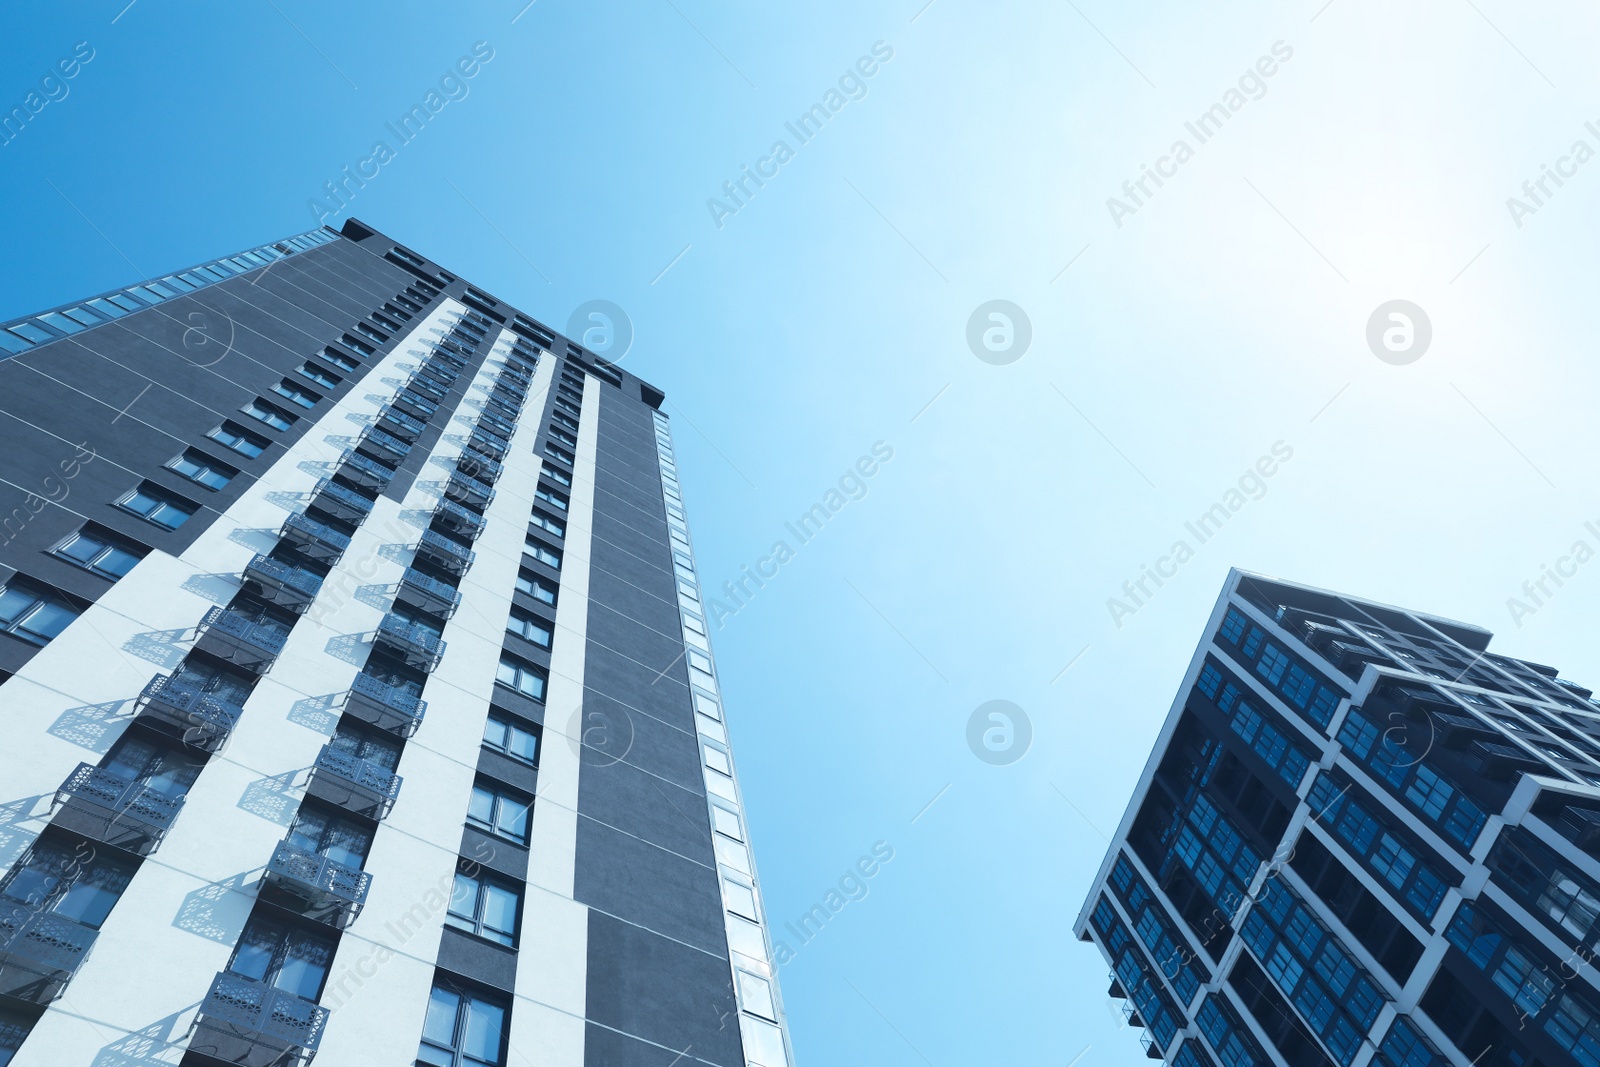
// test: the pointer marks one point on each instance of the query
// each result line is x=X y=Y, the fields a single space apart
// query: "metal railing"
x=41 y=943
x=126 y=797
x=416 y=402
x=379 y=441
x=497 y=425
x=275 y=572
x=279 y=1017
x=206 y=719
x=267 y=638
x=464 y=519
x=404 y=422
x=463 y=487
x=345 y=497
x=364 y=468
x=391 y=707
x=432 y=588
x=489 y=444
x=314 y=874
x=301 y=527
x=480 y=467
x=371 y=778
x=439 y=547
x=413 y=638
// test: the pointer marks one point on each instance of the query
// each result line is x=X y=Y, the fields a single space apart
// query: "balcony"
x=468 y=490
x=482 y=468
x=459 y=520
x=39 y=953
x=384 y=446
x=439 y=550
x=317 y=540
x=420 y=646
x=237 y=638
x=509 y=393
x=414 y=404
x=246 y=1022
x=387 y=707
x=364 y=470
x=495 y=424
x=120 y=812
x=489 y=444
x=196 y=717
x=451 y=353
x=353 y=783
x=342 y=502
x=430 y=387
x=316 y=886
x=430 y=594
x=279 y=583
x=401 y=424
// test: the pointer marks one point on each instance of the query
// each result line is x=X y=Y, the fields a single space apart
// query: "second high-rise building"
x=1362 y=839
x=357 y=695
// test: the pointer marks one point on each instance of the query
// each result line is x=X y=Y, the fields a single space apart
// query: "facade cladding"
x=358 y=695
x=1362 y=839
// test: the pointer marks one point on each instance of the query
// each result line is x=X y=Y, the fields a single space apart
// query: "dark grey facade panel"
x=660 y=992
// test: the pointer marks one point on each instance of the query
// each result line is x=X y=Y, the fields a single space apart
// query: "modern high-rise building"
x=356 y=691
x=1362 y=839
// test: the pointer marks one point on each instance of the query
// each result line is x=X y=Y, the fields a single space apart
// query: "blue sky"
x=1223 y=316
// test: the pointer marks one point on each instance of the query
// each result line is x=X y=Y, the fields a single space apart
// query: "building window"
x=198 y=467
x=527 y=583
x=543 y=553
x=262 y=411
x=554 y=451
x=509 y=739
x=167 y=771
x=76 y=884
x=153 y=505
x=726 y=822
x=558 y=477
x=339 y=359
x=330 y=836
x=530 y=628
x=496 y=812
x=296 y=395
x=240 y=440
x=755 y=996
x=523 y=677
x=548 y=524
x=462 y=1030
x=374 y=746
x=33 y=614
x=326 y=379
x=718 y=761
x=554 y=499
x=284 y=958
x=95 y=550
x=484 y=907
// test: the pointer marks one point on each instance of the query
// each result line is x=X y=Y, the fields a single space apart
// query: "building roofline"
x=509 y=315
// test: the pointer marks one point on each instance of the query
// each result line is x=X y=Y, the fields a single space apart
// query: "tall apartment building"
x=1362 y=839
x=357 y=694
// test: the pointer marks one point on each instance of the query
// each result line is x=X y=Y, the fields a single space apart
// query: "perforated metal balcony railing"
x=385 y=706
x=250 y=643
x=248 y=1022
x=280 y=583
x=325 y=890
x=196 y=717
